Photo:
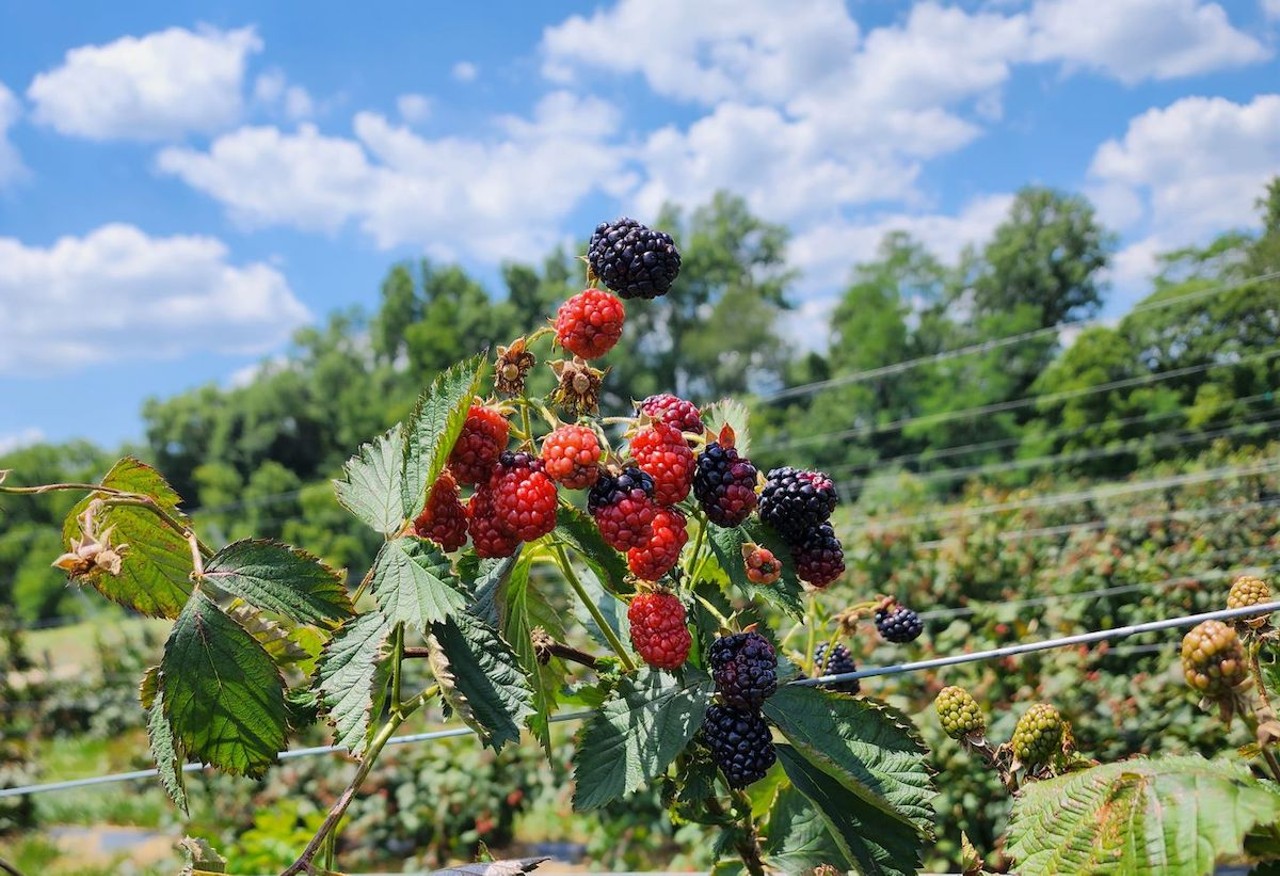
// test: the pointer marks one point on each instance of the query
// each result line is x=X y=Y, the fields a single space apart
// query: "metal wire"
x=897 y=669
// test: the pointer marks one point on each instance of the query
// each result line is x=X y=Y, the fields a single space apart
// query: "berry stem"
x=566 y=568
x=397 y=658
x=749 y=842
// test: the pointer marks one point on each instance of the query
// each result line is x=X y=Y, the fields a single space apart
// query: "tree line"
x=1192 y=359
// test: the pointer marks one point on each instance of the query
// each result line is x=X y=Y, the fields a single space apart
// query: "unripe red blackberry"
x=444 y=519
x=1213 y=660
x=795 y=502
x=482 y=440
x=633 y=260
x=745 y=669
x=1038 y=735
x=761 y=565
x=661 y=452
x=488 y=536
x=840 y=662
x=674 y=411
x=959 y=714
x=590 y=323
x=725 y=483
x=524 y=498
x=623 y=508
x=658 y=629
x=740 y=743
x=571 y=457
x=661 y=552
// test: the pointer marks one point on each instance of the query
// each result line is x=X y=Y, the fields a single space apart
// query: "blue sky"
x=182 y=186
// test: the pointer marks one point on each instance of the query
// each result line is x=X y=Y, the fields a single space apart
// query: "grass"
x=77 y=645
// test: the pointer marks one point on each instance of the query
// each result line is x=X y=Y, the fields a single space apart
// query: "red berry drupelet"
x=623 y=508
x=571 y=457
x=724 y=482
x=840 y=662
x=674 y=411
x=898 y=624
x=661 y=452
x=590 y=323
x=818 y=556
x=524 y=498
x=481 y=442
x=444 y=519
x=740 y=743
x=660 y=554
x=745 y=669
x=761 y=565
x=658 y=630
x=795 y=502
x=632 y=259
x=488 y=536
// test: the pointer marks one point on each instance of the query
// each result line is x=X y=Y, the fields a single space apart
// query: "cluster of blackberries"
x=745 y=669
x=797 y=505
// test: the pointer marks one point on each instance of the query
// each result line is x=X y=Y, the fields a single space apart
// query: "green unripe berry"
x=958 y=713
x=1038 y=735
x=1213 y=659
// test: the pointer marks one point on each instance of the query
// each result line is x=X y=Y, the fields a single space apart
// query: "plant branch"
x=748 y=843
x=9 y=868
x=562 y=560
x=545 y=647
x=138 y=500
x=397 y=658
x=339 y=808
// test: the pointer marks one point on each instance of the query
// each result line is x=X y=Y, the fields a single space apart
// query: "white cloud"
x=1194 y=167
x=156 y=87
x=826 y=251
x=272 y=89
x=18 y=440
x=1131 y=271
x=708 y=51
x=1271 y=9
x=465 y=71
x=11 y=167
x=118 y=293
x=494 y=198
x=1133 y=40
x=414 y=108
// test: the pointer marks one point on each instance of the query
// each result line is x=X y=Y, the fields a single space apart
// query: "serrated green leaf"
x=576 y=529
x=487 y=579
x=484 y=671
x=726 y=545
x=637 y=735
x=868 y=747
x=149 y=687
x=352 y=675
x=521 y=607
x=201 y=858
x=277 y=577
x=433 y=427
x=613 y=610
x=733 y=413
x=413 y=582
x=165 y=750
x=273 y=637
x=155 y=574
x=799 y=839
x=878 y=843
x=222 y=693
x=1141 y=816
x=372 y=481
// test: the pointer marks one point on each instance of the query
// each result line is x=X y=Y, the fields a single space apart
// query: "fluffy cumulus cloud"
x=1133 y=40
x=10 y=162
x=155 y=87
x=272 y=90
x=17 y=440
x=493 y=198
x=118 y=293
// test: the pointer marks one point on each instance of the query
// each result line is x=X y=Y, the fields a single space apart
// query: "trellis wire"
x=895 y=669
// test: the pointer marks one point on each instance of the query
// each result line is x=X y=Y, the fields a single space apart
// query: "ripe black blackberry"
x=818 y=556
x=724 y=483
x=898 y=624
x=740 y=743
x=745 y=669
x=840 y=661
x=632 y=259
x=794 y=502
